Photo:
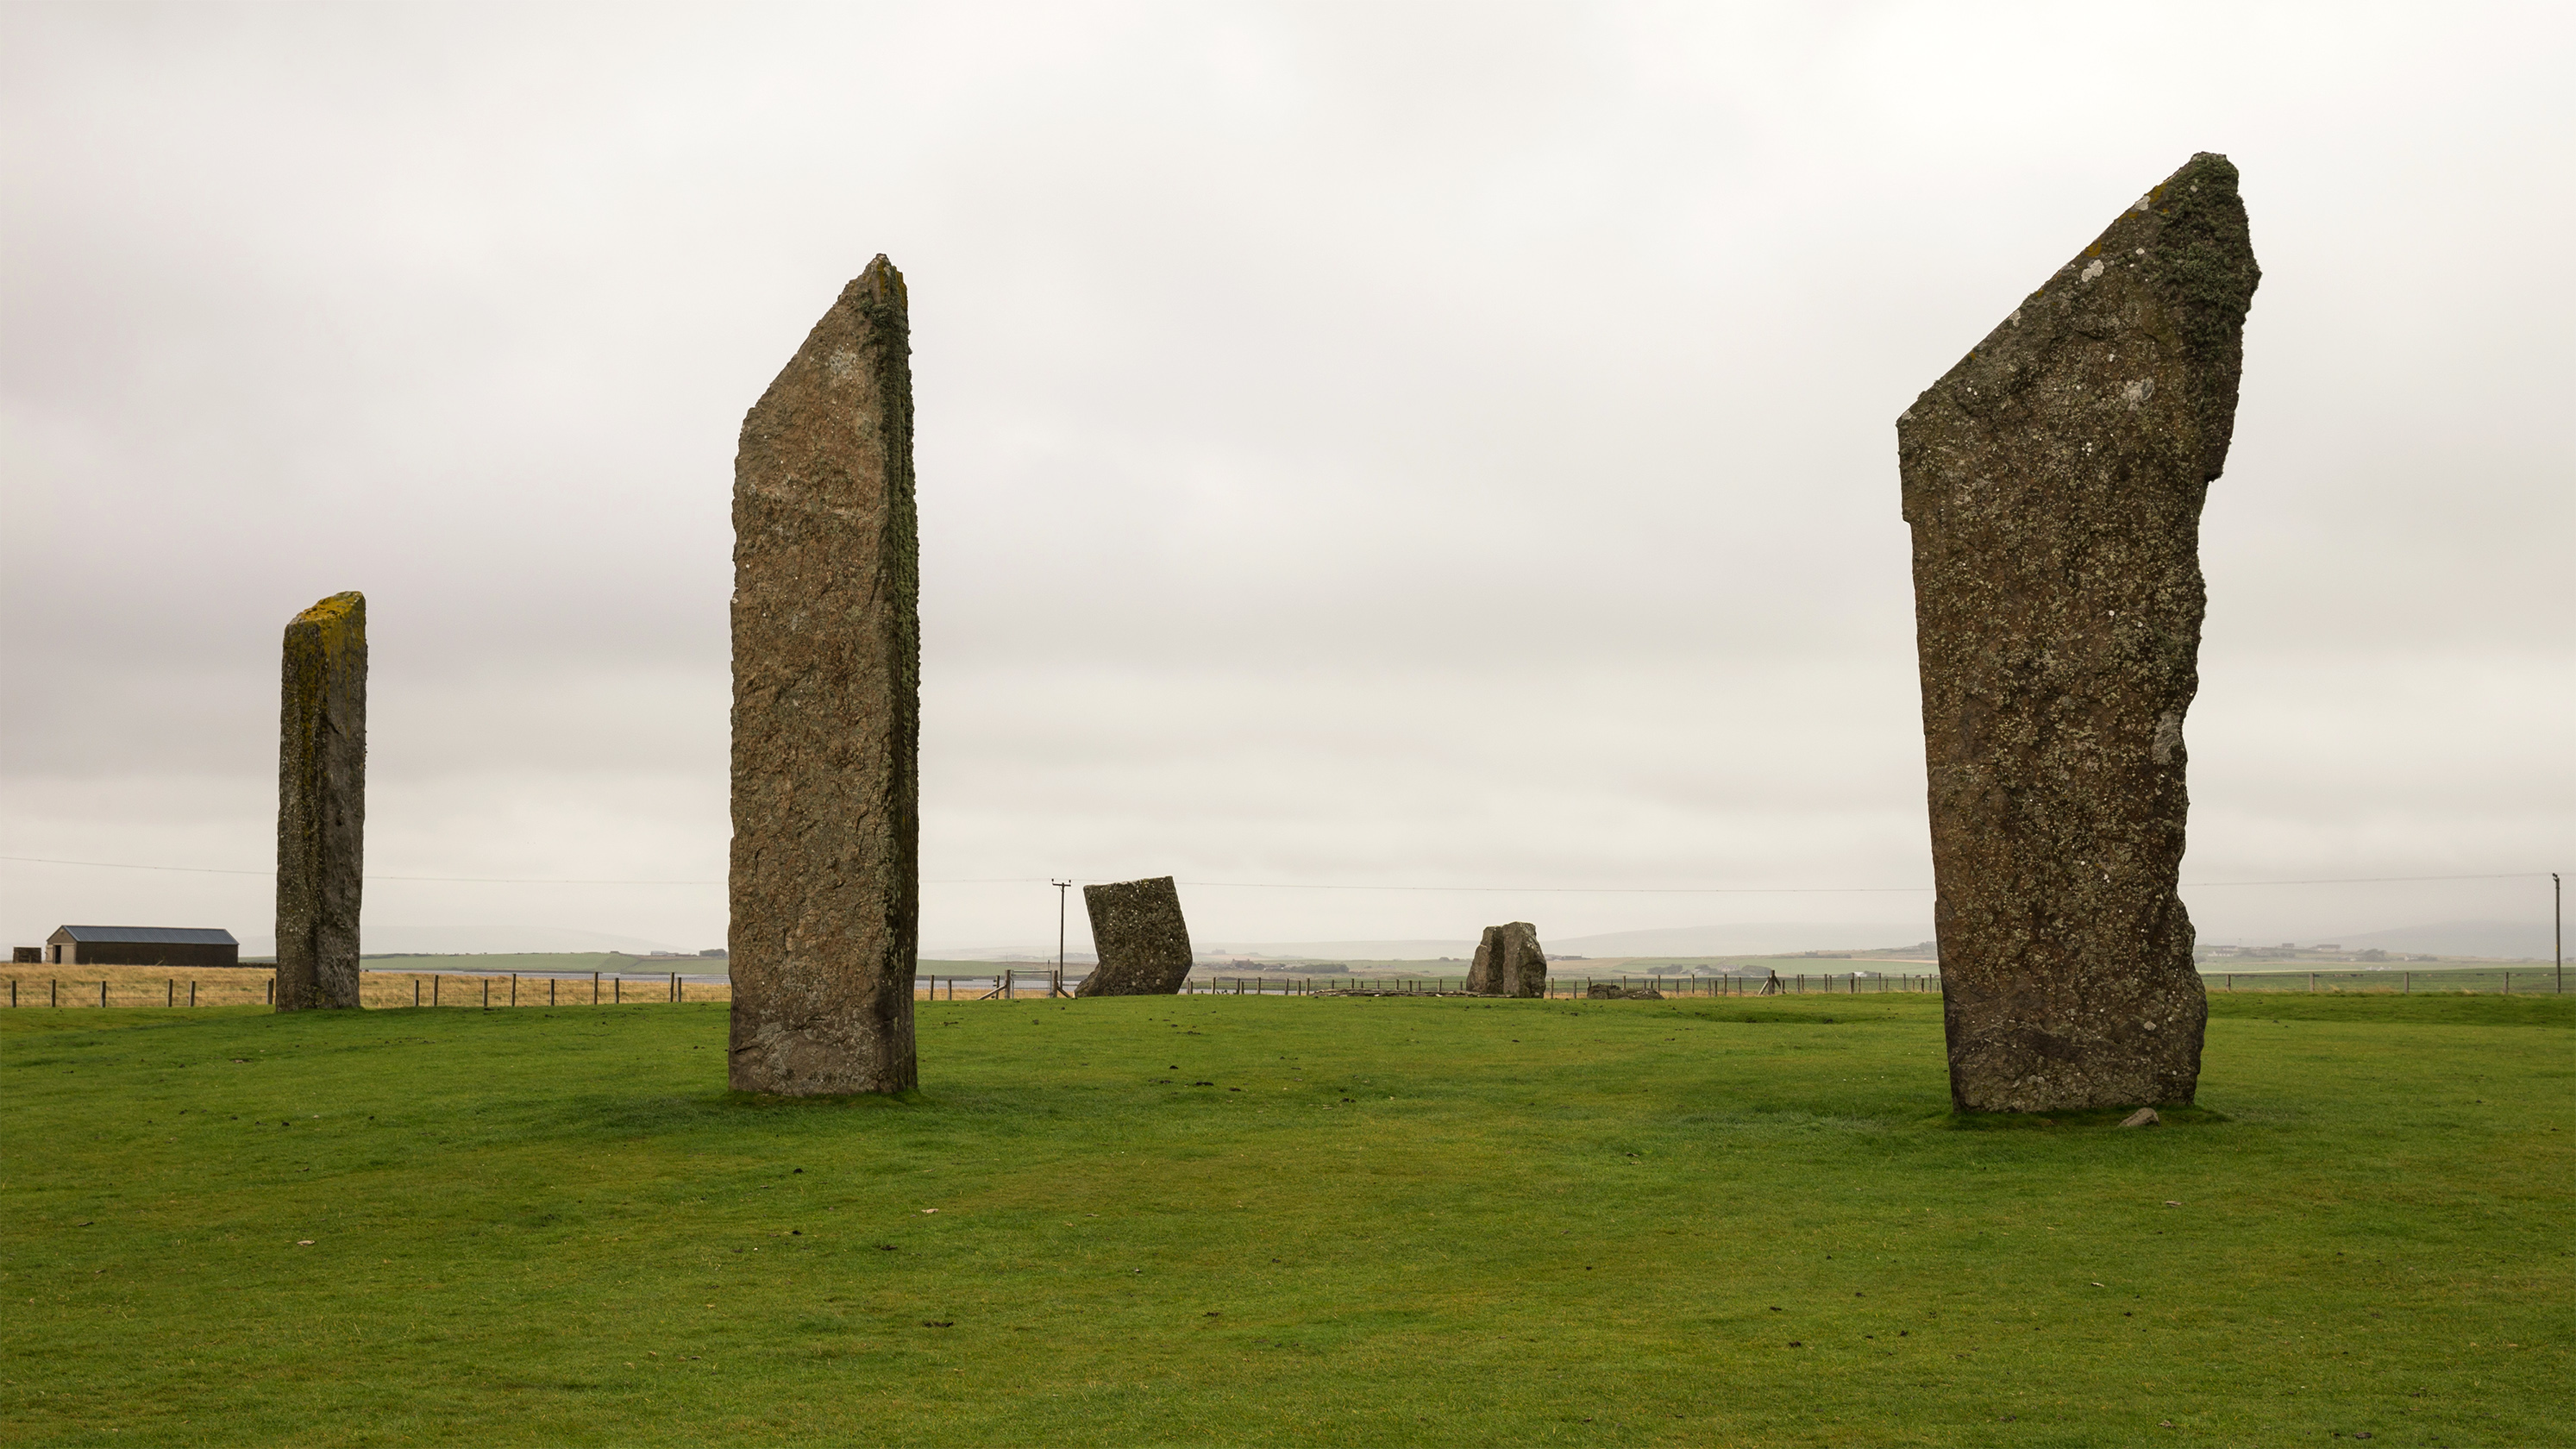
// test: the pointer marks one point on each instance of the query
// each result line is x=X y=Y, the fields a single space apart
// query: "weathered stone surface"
x=1138 y=933
x=1509 y=962
x=321 y=803
x=825 y=880
x=2054 y=481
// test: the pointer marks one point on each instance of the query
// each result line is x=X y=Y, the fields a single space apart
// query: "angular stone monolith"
x=2054 y=481
x=1138 y=933
x=1509 y=962
x=825 y=886
x=321 y=803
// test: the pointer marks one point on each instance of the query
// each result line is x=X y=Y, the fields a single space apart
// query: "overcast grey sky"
x=1358 y=444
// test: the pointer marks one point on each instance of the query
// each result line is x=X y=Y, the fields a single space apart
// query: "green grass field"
x=1382 y=1221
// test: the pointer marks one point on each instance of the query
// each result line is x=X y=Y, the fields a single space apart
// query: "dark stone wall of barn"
x=149 y=953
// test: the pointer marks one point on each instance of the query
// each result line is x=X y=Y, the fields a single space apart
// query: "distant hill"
x=1760 y=938
x=1413 y=950
x=468 y=939
x=2507 y=940
x=1738 y=940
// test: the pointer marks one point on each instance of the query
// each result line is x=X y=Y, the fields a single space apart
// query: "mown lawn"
x=1386 y=1221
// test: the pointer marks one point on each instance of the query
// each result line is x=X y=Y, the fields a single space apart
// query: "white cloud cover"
x=1358 y=444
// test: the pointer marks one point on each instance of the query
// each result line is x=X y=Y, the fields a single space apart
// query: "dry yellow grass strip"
x=72 y=987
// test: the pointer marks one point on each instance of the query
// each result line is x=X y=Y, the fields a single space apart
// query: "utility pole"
x=1060 y=888
x=2558 y=928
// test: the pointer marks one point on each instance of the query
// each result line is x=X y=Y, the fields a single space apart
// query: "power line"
x=462 y=879
x=2372 y=879
x=1304 y=885
x=119 y=865
x=1807 y=890
x=1276 y=885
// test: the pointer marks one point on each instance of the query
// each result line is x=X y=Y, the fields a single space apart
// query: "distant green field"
x=1268 y=1220
x=535 y=963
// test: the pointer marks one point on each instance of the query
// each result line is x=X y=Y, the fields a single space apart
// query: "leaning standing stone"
x=1509 y=962
x=825 y=880
x=1138 y=933
x=2054 y=481
x=321 y=803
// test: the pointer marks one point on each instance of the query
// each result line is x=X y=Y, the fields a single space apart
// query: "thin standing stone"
x=1509 y=962
x=2054 y=481
x=1139 y=935
x=825 y=879
x=321 y=804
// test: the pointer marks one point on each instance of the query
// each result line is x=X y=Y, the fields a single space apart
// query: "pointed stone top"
x=880 y=283
x=2176 y=271
x=335 y=608
x=337 y=619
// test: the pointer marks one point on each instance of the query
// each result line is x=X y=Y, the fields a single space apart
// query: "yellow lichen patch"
x=885 y=284
x=341 y=618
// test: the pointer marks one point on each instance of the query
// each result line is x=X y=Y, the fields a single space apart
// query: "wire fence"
x=2534 y=980
x=1560 y=987
x=143 y=986
x=209 y=986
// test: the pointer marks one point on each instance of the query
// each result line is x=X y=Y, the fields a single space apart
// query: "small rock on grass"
x=2143 y=1117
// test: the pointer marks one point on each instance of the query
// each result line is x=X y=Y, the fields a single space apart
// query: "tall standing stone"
x=1509 y=962
x=1138 y=933
x=825 y=880
x=321 y=803
x=2054 y=481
